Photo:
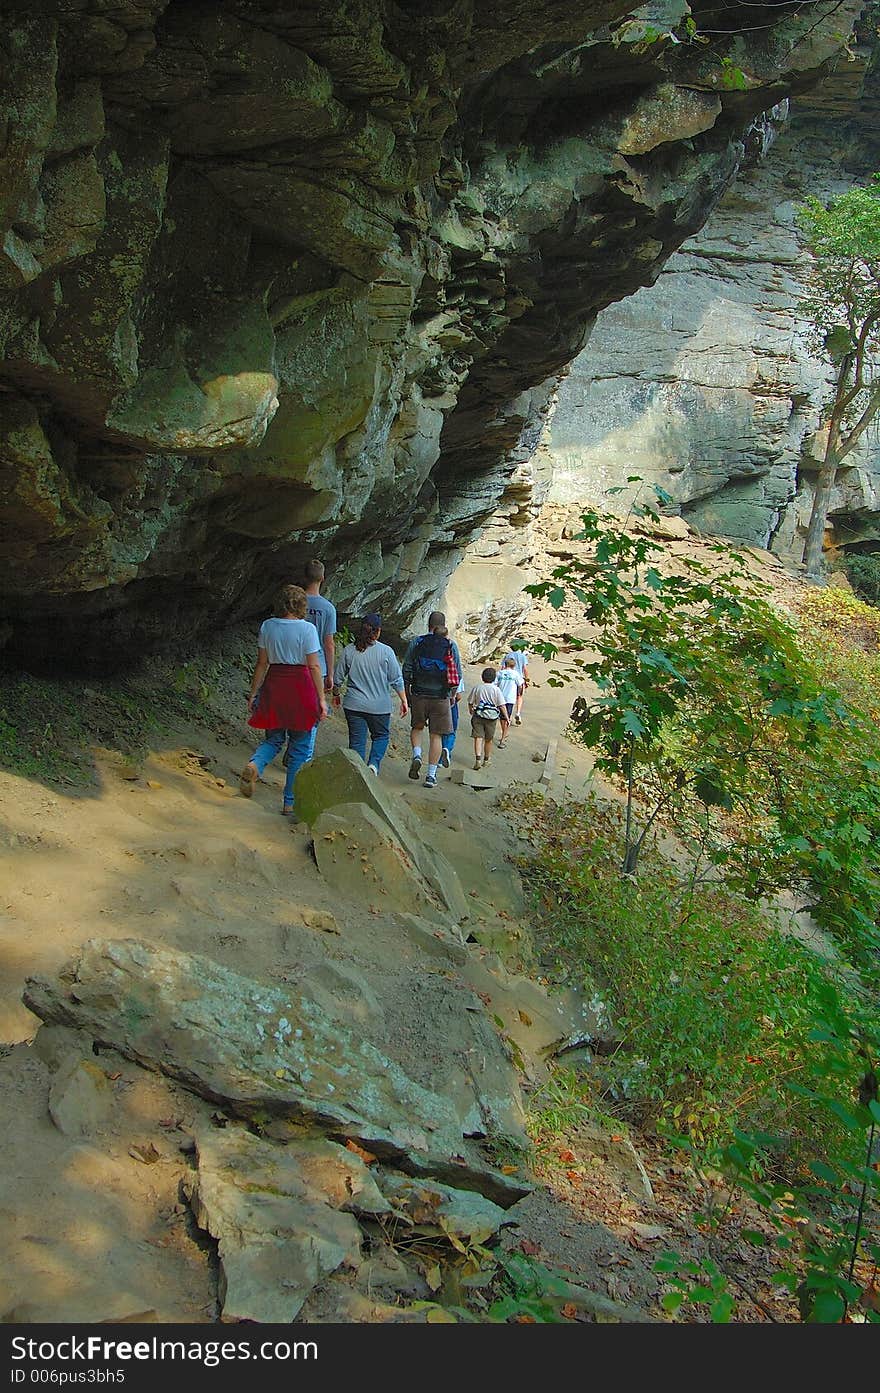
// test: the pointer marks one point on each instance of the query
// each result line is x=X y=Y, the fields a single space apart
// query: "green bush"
x=713 y=1004
x=863 y=573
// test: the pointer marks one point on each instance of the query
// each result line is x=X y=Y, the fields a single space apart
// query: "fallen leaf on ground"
x=146 y=1152
x=569 y=1310
x=566 y=1155
x=529 y=1247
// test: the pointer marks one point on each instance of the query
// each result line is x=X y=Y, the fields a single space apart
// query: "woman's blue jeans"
x=448 y=741
x=301 y=747
x=360 y=723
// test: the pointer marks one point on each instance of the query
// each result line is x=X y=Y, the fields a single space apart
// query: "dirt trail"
x=172 y=853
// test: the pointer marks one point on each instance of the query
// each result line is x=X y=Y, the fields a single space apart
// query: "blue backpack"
x=432 y=661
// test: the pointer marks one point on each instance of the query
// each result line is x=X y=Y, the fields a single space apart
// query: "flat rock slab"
x=277 y=1231
x=475 y=778
x=260 y=1050
x=341 y=777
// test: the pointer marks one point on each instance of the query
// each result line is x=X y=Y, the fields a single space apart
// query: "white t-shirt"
x=288 y=640
x=487 y=700
x=509 y=681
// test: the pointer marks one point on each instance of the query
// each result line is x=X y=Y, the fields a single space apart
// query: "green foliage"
x=712 y=1003
x=700 y=1283
x=842 y=307
x=528 y=1290
x=723 y=722
x=733 y=79
x=827 y=1224
x=863 y=573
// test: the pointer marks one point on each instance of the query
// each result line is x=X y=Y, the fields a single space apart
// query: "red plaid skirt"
x=287 y=699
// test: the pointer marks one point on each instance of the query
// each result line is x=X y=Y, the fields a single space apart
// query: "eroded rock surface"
x=278 y=279
x=263 y=1051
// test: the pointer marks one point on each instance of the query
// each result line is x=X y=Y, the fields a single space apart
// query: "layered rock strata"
x=279 y=280
x=708 y=384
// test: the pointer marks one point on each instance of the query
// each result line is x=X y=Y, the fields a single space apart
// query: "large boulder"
x=264 y=1051
x=359 y=855
x=342 y=778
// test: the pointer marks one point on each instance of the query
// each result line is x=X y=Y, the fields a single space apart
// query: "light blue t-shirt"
x=370 y=675
x=322 y=614
x=288 y=640
x=520 y=657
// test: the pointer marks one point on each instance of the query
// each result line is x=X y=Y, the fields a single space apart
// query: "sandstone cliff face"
x=706 y=384
x=287 y=279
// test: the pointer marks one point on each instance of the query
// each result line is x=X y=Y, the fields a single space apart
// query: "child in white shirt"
x=487 y=707
x=510 y=683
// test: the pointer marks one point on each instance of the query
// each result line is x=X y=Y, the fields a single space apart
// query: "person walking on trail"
x=485 y=703
x=286 y=699
x=447 y=742
x=520 y=656
x=510 y=682
x=430 y=675
x=369 y=671
x=322 y=614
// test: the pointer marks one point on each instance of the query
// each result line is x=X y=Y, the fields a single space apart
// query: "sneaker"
x=416 y=767
x=430 y=781
x=478 y=763
x=518 y=720
x=373 y=770
x=444 y=758
x=486 y=759
x=287 y=810
x=500 y=745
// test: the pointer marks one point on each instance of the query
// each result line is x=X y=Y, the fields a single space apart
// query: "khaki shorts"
x=482 y=728
x=433 y=712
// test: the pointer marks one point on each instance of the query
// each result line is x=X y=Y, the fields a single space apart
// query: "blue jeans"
x=301 y=747
x=448 y=741
x=379 y=727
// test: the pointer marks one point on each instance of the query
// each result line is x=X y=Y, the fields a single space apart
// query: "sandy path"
x=177 y=857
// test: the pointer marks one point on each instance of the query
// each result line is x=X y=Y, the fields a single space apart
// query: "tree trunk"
x=827 y=475
x=818 y=519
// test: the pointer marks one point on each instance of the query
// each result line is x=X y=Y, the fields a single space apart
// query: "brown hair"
x=371 y=628
x=488 y=674
x=291 y=600
x=312 y=571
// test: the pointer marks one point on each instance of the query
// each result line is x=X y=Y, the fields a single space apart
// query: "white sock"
x=417 y=751
x=432 y=771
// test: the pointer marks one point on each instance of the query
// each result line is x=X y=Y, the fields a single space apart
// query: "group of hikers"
x=298 y=673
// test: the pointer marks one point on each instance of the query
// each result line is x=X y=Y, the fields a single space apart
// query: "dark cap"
x=374 y=619
x=436 y=619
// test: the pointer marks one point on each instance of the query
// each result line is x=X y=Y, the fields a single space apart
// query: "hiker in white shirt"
x=510 y=681
x=520 y=657
x=486 y=705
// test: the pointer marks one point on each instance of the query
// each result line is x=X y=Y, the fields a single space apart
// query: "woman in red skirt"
x=287 y=692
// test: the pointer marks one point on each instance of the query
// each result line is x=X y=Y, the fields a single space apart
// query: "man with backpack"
x=430 y=674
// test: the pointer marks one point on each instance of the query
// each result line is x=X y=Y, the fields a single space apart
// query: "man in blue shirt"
x=322 y=614
x=520 y=656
